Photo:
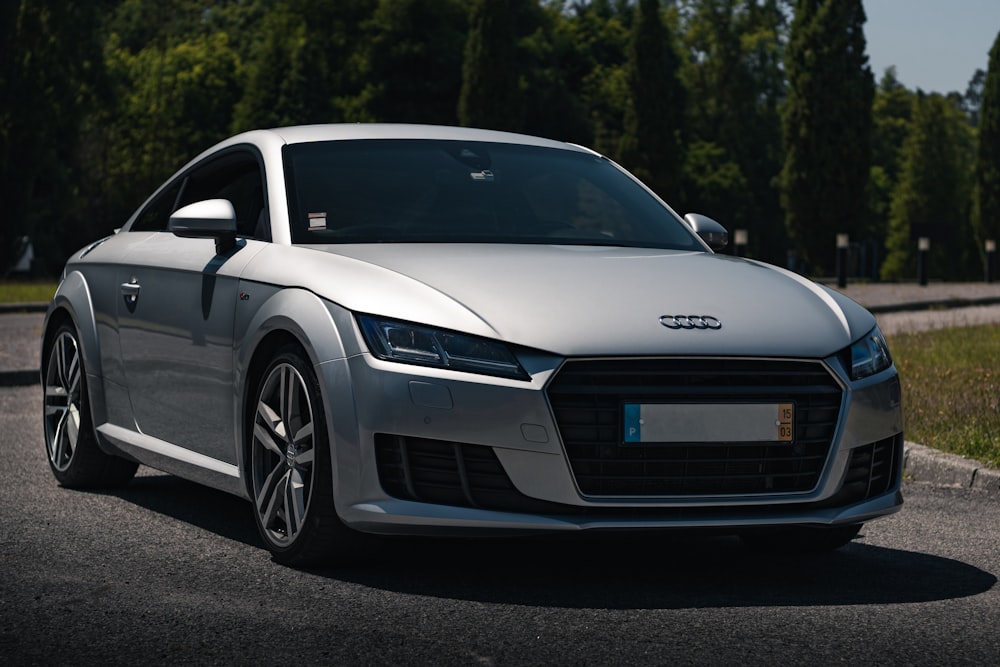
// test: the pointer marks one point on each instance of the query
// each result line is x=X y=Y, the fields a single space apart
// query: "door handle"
x=130 y=291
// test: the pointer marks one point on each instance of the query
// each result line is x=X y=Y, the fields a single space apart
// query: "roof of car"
x=347 y=131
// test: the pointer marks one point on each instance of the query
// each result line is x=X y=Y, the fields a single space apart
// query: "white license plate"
x=709 y=422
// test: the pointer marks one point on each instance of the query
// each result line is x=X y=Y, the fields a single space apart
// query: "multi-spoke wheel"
x=73 y=452
x=290 y=469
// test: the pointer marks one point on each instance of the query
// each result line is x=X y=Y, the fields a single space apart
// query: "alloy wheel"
x=63 y=401
x=283 y=454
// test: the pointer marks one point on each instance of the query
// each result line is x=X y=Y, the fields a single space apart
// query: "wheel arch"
x=72 y=304
x=289 y=316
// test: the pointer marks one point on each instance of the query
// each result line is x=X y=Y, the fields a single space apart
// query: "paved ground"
x=20 y=347
x=164 y=572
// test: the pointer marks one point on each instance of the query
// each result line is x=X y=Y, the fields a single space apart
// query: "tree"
x=169 y=104
x=552 y=69
x=410 y=62
x=892 y=113
x=491 y=92
x=987 y=218
x=50 y=67
x=972 y=100
x=596 y=72
x=303 y=64
x=654 y=140
x=733 y=71
x=827 y=119
x=932 y=196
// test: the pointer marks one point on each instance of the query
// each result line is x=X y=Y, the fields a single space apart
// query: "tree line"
x=763 y=114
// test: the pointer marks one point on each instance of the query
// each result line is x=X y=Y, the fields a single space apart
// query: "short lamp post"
x=923 y=248
x=991 y=258
x=740 y=237
x=843 y=245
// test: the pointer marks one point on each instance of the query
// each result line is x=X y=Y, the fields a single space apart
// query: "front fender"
x=72 y=299
x=316 y=325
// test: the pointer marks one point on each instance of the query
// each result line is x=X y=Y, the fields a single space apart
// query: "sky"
x=936 y=45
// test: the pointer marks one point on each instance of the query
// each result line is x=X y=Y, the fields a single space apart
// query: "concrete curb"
x=20 y=378
x=941 y=304
x=29 y=307
x=923 y=464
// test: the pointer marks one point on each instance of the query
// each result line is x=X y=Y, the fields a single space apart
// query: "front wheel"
x=74 y=456
x=290 y=467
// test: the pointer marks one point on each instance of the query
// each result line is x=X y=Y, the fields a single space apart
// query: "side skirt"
x=175 y=460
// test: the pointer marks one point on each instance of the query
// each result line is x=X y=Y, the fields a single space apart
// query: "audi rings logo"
x=690 y=322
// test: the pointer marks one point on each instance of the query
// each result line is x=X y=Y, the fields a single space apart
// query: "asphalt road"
x=165 y=572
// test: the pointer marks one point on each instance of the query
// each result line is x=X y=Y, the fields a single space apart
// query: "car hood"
x=579 y=300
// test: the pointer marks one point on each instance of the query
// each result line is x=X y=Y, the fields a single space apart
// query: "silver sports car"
x=398 y=329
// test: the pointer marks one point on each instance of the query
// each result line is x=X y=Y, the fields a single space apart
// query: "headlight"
x=413 y=344
x=870 y=355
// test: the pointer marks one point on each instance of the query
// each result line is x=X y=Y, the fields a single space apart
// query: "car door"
x=176 y=316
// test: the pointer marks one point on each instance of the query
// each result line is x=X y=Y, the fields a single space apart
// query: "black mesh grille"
x=872 y=470
x=587 y=397
x=448 y=473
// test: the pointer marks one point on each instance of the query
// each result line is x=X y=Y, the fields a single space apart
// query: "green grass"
x=26 y=291
x=951 y=389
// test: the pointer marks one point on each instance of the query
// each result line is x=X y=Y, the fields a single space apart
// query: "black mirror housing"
x=710 y=231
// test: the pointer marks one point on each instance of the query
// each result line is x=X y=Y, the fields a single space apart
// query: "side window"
x=155 y=216
x=235 y=176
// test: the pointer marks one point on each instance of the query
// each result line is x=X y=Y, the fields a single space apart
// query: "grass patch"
x=951 y=389
x=26 y=291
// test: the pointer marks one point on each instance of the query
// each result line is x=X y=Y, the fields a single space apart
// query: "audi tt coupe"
x=414 y=330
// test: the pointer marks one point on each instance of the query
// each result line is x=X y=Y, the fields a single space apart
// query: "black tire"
x=801 y=539
x=290 y=467
x=71 y=445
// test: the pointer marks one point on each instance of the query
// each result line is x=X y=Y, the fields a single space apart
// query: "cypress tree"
x=827 y=121
x=653 y=143
x=490 y=96
x=931 y=198
x=988 y=163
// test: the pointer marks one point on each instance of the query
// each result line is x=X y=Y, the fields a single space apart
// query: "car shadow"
x=664 y=570
x=661 y=571
x=209 y=509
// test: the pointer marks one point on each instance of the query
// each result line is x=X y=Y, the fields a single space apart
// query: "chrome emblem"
x=690 y=322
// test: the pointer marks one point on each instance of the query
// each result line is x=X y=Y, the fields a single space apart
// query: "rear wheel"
x=290 y=467
x=74 y=456
x=801 y=539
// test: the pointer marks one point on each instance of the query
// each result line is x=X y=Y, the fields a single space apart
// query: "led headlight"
x=870 y=355
x=407 y=343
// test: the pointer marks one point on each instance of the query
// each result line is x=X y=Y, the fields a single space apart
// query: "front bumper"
x=437 y=452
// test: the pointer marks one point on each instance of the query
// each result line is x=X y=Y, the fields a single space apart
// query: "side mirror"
x=211 y=218
x=711 y=232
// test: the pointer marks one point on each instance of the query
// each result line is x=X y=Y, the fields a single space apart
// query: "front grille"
x=871 y=471
x=587 y=398
x=448 y=473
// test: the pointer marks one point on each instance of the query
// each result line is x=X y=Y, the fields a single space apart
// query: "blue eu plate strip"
x=633 y=428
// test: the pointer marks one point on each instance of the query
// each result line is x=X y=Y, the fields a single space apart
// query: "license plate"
x=709 y=422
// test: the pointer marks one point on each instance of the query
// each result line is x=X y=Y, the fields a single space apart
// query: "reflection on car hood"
x=579 y=300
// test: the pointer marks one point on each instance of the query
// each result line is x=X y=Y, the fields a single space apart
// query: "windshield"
x=376 y=191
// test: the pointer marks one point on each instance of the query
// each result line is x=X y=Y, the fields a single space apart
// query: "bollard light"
x=740 y=240
x=843 y=244
x=923 y=246
x=991 y=251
